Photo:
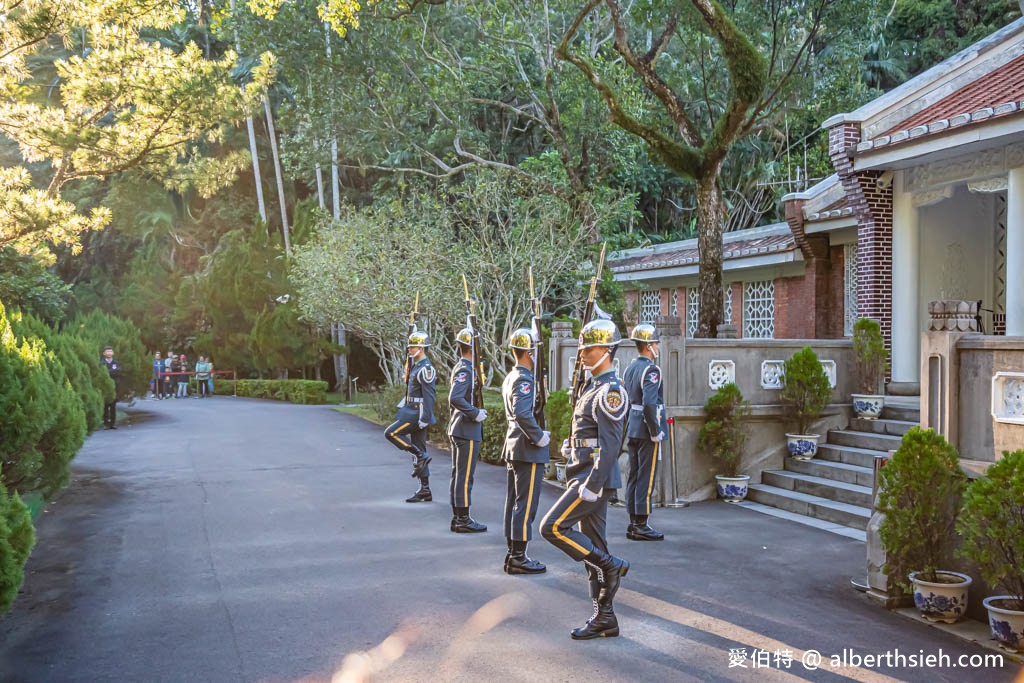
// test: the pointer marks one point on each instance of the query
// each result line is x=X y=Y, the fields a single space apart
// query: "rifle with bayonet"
x=579 y=374
x=540 y=390
x=412 y=329
x=477 y=391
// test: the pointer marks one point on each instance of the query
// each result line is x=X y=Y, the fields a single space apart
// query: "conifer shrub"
x=722 y=436
x=98 y=329
x=869 y=356
x=16 y=540
x=921 y=488
x=992 y=525
x=806 y=390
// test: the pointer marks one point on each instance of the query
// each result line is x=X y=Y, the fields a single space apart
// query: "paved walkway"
x=242 y=540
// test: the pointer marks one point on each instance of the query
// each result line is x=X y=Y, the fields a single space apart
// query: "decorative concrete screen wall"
x=972 y=386
x=693 y=369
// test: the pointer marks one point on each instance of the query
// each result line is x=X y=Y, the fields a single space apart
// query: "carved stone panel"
x=720 y=373
x=1008 y=397
x=772 y=374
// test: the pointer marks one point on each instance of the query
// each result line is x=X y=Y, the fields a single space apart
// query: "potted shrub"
x=992 y=525
x=805 y=393
x=921 y=486
x=723 y=438
x=870 y=363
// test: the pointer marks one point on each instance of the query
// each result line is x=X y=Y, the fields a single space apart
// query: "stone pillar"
x=905 y=291
x=1015 y=253
x=940 y=365
x=558 y=370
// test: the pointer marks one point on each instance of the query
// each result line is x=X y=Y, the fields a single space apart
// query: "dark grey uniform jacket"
x=518 y=392
x=460 y=397
x=419 y=400
x=643 y=383
x=596 y=435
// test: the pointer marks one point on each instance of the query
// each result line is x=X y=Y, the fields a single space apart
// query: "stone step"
x=838 y=529
x=835 y=471
x=861 y=457
x=829 y=489
x=904 y=413
x=853 y=516
x=868 y=440
x=882 y=426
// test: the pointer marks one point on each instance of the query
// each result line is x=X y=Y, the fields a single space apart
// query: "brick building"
x=927 y=203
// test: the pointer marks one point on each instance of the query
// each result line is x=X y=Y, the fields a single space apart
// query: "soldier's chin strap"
x=590 y=368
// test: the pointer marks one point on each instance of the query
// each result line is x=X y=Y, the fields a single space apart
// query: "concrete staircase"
x=833 y=490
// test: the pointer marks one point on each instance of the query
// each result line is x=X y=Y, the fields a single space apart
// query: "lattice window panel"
x=999 y=302
x=650 y=306
x=692 y=311
x=849 y=289
x=759 y=309
x=674 y=308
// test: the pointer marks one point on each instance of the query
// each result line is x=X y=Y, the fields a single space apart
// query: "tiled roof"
x=836 y=209
x=685 y=253
x=996 y=94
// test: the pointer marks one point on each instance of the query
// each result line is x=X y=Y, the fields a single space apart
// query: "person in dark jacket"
x=182 y=377
x=466 y=431
x=110 y=404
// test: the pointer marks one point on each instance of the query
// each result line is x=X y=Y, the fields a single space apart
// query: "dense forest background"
x=233 y=178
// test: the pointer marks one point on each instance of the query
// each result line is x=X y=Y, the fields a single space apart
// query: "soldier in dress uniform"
x=646 y=429
x=415 y=413
x=466 y=431
x=525 y=454
x=592 y=474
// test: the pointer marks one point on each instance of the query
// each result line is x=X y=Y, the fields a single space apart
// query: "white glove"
x=423 y=425
x=544 y=440
x=587 y=495
x=481 y=415
x=659 y=438
x=566 y=449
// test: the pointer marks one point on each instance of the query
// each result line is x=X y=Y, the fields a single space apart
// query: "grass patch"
x=362 y=410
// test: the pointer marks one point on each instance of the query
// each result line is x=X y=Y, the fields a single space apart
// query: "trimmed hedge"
x=302 y=391
x=16 y=540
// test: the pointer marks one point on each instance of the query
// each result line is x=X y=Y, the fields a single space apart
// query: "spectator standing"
x=168 y=377
x=202 y=377
x=158 y=381
x=209 y=382
x=182 y=377
x=110 y=403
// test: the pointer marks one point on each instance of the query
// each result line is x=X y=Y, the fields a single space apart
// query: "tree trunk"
x=252 y=145
x=335 y=183
x=709 y=245
x=320 y=186
x=277 y=172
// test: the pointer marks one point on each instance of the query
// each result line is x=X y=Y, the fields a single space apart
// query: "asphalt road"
x=242 y=540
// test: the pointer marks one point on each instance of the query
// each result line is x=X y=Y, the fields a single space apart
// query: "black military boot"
x=462 y=523
x=603 y=623
x=632 y=523
x=612 y=569
x=519 y=563
x=419 y=464
x=423 y=495
x=642 y=531
x=508 y=555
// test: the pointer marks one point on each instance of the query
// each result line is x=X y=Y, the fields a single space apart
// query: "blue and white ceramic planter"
x=732 y=489
x=1007 y=624
x=802 y=446
x=941 y=601
x=868 y=406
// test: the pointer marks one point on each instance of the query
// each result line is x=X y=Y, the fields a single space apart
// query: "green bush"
x=385 y=400
x=869 y=356
x=806 y=390
x=722 y=436
x=920 y=497
x=16 y=540
x=98 y=329
x=302 y=391
x=559 y=416
x=992 y=525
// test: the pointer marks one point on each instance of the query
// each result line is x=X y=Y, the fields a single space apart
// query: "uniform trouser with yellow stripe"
x=521 y=498
x=575 y=526
x=408 y=437
x=643 y=467
x=464 y=457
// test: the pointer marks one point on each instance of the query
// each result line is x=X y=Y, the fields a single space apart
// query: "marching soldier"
x=646 y=429
x=466 y=432
x=415 y=413
x=526 y=454
x=592 y=474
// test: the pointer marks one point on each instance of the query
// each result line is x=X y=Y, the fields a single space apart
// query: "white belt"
x=583 y=443
x=638 y=409
x=414 y=400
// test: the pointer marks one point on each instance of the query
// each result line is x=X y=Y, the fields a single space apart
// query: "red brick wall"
x=835 y=298
x=873 y=208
